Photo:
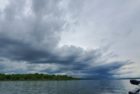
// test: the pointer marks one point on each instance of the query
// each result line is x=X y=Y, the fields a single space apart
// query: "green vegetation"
x=36 y=76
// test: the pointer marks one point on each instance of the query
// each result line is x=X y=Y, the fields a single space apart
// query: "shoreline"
x=35 y=77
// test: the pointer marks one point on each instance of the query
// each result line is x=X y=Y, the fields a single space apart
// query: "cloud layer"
x=30 y=34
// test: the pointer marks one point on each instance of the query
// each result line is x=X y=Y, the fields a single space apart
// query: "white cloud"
x=99 y=23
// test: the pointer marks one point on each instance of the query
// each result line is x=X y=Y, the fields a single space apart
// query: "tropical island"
x=36 y=76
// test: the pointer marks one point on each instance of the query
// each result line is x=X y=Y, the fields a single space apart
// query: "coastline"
x=35 y=77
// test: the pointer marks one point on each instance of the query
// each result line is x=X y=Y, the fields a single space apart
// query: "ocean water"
x=66 y=87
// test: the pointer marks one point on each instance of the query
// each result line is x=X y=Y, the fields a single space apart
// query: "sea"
x=66 y=87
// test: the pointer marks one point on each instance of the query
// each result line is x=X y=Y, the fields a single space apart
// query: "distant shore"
x=32 y=77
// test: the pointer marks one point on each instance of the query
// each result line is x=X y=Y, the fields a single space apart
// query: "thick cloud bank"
x=30 y=33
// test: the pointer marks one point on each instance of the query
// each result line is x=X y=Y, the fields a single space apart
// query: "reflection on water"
x=65 y=87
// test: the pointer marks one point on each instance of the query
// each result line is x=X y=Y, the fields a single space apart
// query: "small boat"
x=137 y=90
x=134 y=82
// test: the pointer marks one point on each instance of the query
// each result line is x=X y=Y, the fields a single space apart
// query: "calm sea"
x=66 y=87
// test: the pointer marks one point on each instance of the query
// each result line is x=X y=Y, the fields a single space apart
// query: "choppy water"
x=65 y=87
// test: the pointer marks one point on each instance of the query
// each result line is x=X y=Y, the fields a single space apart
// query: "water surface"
x=65 y=87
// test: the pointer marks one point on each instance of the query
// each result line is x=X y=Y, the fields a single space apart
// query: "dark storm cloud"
x=33 y=34
x=107 y=70
x=17 y=50
x=30 y=37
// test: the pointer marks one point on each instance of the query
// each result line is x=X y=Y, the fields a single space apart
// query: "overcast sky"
x=84 y=38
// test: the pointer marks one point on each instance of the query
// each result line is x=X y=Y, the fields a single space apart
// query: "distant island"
x=36 y=76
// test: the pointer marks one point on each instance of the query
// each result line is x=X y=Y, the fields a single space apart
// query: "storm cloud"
x=30 y=34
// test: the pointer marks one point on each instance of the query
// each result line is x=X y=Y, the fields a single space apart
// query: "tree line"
x=35 y=76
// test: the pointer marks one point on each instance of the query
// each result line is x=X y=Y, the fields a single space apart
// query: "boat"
x=137 y=90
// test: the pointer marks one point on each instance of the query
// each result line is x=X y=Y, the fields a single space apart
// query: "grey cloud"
x=34 y=38
x=106 y=70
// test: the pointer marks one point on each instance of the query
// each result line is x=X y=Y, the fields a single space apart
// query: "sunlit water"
x=66 y=87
